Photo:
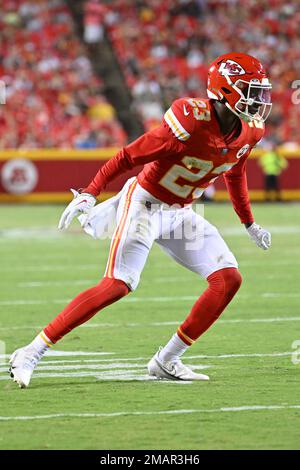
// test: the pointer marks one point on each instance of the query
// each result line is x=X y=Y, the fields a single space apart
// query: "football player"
x=198 y=140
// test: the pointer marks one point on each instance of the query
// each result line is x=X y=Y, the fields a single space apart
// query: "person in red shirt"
x=198 y=140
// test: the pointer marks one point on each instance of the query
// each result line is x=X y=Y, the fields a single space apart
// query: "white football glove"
x=81 y=204
x=261 y=237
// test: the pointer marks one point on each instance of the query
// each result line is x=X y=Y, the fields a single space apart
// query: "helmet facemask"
x=255 y=99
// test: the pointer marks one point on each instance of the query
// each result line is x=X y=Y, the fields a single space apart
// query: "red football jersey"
x=185 y=154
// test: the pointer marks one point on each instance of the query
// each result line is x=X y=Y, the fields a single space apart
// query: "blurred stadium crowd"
x=53 y=98
x=164 y=49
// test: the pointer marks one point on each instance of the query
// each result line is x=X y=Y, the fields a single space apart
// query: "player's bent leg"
x=83 y=307
x=222 y=286
x=209 y=256
x=127 y=257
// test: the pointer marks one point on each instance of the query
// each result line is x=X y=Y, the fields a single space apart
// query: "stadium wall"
x=45 y=176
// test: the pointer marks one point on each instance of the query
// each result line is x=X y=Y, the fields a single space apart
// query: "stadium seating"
x=164 y=48
x=53 y=98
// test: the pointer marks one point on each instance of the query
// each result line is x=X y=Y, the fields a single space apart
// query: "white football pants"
x=141 y=220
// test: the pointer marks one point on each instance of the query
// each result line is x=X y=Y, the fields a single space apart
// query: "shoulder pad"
x=185 y=114
x=179 y=118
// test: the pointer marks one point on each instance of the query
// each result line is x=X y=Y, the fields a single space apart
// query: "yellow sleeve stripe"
x=45 y=339
x=187 y=338
x=177 y=129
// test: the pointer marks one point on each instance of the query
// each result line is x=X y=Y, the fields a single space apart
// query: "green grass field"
x=93 y=391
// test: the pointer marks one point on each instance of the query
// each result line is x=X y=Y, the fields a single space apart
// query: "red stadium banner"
x=46 y=175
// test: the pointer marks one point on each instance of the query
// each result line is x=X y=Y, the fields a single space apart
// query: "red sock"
x=223 y=285
x=85 y=306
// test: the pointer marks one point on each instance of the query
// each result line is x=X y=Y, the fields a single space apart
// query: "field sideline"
x=93 y=392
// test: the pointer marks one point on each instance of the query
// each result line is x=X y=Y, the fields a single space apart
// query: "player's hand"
x=81 y=204
x=261 y=237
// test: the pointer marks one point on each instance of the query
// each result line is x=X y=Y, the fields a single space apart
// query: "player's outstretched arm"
x=236 y=182
x=81 y=204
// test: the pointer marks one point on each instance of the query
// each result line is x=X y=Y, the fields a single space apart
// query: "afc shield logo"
x=19 y=176
x=242 y=151
x=231 y=68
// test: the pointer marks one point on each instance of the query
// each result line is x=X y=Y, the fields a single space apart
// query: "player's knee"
x=117 y=287
x=225 y=281
x=122 y=287
x=233 y=280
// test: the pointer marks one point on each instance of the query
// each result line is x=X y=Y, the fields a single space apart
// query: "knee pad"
x=118 y=287
x=225 y=281
x=232 y=278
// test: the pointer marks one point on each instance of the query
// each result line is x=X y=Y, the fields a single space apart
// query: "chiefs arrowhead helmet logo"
x=231 y=68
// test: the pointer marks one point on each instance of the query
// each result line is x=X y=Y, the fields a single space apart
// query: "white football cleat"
x=22 y=364
x=172 y=370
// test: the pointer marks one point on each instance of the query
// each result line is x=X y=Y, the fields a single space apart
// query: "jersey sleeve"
x=236 y=183
x=179 y=118
x=151 y=146
x=236 y=178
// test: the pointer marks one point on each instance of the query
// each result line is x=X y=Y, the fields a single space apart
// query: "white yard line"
x=78 y=282
x=107 y=375
x=76 y=361
x=110 y=369
x=56 y=353
x=145 y=358
x=35 y=284
x=78 y=353
x=237 y=320
x=260 y=320
x=157 y=324
x=147 y=299
x=32 y=302
x=233 y=356
x=116 y=375
x=246 y=408
x=127 y=300
x=57 y=267
x=21 y=327
x=83 y=267
x=279 y=294
x=44 y=366
x=142 y=358
x=49 y=301
x=50 y=232
x=195 y=297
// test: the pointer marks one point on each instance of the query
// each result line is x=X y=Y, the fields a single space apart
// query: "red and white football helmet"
x=240 y=82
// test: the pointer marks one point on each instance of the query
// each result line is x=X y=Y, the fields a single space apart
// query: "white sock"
x=173 y=349
x=40 y=343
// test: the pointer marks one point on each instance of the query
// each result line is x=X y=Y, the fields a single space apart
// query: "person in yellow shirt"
x=272 y=164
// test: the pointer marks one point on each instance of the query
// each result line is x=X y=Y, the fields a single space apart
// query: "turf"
x=247 y=353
